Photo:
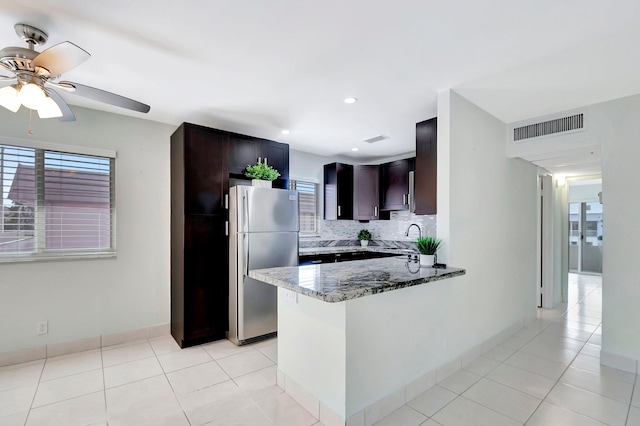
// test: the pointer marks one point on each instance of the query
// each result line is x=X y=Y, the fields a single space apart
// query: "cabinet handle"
x=404 y=199
x=412 y=192
x=226 y=228
x=265 y=161
x=339 y=211
x=226 y=201
x=259 y=159
x=375 y=211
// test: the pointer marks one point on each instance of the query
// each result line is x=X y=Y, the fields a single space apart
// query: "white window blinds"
x=55 y=204
x=307 y=194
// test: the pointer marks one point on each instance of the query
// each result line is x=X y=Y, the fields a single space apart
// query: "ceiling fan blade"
x=67 y=114
x=106 y=97
x=7 y=78
x=61 y=58
x=3 y=68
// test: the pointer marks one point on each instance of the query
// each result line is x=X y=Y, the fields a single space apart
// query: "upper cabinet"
x=395 y=191
x=338 y=191
x=245 y=150
x=199 y=177
x=426 y=167
x=366 y=200
x=276 y=155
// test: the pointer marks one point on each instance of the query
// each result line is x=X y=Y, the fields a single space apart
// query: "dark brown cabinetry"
x=366 y=192
x=338 y=191
x=202 y=160
x=426 y=173
x=206 y=285
x=245 y=150
x=394 y=184
x=313 y=259
x=199 y=287
x=276 y=155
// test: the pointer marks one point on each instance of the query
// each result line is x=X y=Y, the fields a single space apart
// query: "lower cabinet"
x=314 y=259
x=200 y=283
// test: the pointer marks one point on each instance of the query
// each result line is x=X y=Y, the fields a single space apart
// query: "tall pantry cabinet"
x=200 y=171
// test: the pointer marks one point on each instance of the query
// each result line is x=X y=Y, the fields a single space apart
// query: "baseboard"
x=619 y=362
x=80 y=345
x=387 y=405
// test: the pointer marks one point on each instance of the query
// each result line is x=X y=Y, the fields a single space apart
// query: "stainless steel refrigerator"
x=263 y=233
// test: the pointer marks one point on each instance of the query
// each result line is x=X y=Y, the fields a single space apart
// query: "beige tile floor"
x=546 y=374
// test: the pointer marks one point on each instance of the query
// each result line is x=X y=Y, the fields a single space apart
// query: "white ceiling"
x=260 y=66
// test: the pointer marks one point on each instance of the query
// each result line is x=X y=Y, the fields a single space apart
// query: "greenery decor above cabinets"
x=338 y=191
x=245 y=150
x=426 y=167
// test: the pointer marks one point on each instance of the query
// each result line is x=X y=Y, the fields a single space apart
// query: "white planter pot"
x=364 y=243
x=427 y=260
x=258 y=183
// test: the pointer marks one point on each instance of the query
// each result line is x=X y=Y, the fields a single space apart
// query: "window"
x=307 y=193
x=55 y=204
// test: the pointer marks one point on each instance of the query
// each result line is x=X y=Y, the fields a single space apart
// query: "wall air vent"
x=565 y=124
x=376 y=139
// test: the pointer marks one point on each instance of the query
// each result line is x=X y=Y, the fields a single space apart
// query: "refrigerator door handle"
x=245 y=246
x=245 y=214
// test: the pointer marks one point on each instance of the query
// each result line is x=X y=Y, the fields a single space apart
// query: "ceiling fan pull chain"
x=30 y=132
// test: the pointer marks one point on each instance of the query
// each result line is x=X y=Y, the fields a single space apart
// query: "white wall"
x=583 y=193
x=616 y=123
x=86 y=298
x=489 y=223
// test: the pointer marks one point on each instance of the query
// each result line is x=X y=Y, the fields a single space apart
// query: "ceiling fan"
x=36 y=76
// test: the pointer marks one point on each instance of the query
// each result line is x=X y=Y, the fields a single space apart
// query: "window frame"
x=293 y=186
x=41 y=252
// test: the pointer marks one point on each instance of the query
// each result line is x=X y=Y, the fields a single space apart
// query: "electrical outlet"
x=291 y=295
x=42 y=327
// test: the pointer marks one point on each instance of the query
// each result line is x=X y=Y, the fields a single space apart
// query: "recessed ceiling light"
x=350 y=100
x=355 y=149
x=285 y=132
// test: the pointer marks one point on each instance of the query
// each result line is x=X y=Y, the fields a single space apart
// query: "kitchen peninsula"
x=351 y=334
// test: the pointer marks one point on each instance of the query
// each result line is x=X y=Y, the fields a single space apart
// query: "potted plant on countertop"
x=427 y=246
x=261 y=174
x=364 y=236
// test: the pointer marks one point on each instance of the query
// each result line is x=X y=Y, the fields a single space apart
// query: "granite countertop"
x=337 y=282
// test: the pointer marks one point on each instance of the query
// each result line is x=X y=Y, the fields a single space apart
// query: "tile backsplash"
x=393 y=229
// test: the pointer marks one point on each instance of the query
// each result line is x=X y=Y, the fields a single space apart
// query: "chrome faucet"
x=406 y=234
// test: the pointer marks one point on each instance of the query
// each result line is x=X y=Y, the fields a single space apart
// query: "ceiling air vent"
x=376 y=139
x=565 y=124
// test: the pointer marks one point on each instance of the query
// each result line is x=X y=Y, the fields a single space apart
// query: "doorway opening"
x=585 y=242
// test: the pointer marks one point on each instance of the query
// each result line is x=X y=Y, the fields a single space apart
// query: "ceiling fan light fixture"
x=9 y=98
x=49 y=109
x=32 y=96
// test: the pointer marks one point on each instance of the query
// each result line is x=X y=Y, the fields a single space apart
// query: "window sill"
x=57 y=257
